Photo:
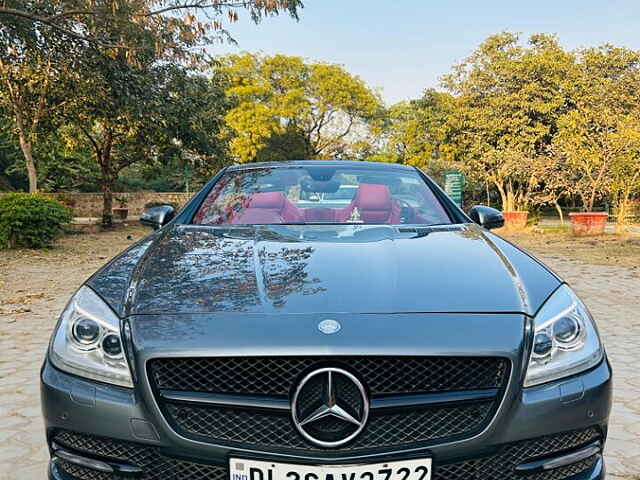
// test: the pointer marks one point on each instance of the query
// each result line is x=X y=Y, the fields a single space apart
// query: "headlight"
x=565 y=341
x=87 y=341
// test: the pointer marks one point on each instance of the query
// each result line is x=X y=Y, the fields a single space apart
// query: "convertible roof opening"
x=321 y=194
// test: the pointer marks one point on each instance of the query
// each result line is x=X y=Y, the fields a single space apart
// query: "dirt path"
x=34 y=286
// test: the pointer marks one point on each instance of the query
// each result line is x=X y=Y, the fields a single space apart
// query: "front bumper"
x=114 y=426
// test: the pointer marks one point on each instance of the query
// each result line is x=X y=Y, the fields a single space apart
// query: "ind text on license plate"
x=243 y=469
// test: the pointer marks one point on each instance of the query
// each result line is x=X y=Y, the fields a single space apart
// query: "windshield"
x=320 y=194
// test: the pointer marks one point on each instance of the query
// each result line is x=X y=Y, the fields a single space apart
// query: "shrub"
x=30 y=220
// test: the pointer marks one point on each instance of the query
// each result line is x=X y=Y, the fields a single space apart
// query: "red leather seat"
x=375 y=205
x=268 y=207
x=313 y=215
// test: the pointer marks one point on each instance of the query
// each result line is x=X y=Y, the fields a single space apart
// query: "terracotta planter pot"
x=515 y=220
x=589 y=223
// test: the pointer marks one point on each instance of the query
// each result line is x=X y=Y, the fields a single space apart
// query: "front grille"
x=277 y=431
x=499 y=466
x=276 y=376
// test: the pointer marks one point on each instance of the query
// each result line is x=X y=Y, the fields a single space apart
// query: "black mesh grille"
x=277 y=375
x=77 y=471
x=154 y=465
x=500 y=466
x=276 y=430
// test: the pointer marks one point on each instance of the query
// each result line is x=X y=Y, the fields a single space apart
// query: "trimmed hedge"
x=30 y=220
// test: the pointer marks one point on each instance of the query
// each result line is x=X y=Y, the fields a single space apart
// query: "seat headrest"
x=373 y=197
x=273 y=200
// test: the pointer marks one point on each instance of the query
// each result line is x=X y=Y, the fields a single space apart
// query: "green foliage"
x=103 y=64
x=30 y=220
x=157 y=114
x=599 y=139
x=285 y=108
x=10 y=155
x=415 y=132
x=530 y=123
x=509 y=98
x=167 y=28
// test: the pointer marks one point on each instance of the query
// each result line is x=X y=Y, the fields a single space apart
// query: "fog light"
x=86 y=331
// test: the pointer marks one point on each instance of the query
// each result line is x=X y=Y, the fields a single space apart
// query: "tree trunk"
x=590 y=201
x=27 y=152
x=503 y=196
x=106 y=181
x=559 y=210
x=621 y=212
x=510 y=199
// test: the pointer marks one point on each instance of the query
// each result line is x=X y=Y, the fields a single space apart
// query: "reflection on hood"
x=285 y=269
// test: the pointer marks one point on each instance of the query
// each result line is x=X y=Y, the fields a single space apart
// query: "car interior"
x=320 y=195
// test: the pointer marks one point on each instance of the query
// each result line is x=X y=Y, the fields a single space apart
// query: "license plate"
x=243 y=469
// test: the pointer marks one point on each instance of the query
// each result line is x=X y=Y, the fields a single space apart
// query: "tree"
x=415 y=132
x=40 y=41
x=556 y=181
x=27 y=92
x=129 y=114
x=626 y=169
x=601 y=137
x=173 y=27
x=29 y=88
x=284 y=107
x=601 y=148
x=508 y=101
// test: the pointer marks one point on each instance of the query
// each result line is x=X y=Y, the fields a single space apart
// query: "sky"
x=401 y=47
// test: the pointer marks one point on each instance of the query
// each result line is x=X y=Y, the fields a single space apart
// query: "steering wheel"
x=407 y=213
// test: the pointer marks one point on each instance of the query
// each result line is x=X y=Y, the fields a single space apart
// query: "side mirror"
x=486 y=217
x=157 y=217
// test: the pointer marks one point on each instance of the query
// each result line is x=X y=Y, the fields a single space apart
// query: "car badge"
x=329 y=326
x=330 y=407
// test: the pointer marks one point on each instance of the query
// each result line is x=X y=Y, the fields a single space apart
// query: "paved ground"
x=41 y=283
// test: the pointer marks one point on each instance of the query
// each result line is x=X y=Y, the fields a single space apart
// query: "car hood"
x=324 y=269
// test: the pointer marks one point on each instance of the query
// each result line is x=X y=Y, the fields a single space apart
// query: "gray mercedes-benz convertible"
x=325 y=320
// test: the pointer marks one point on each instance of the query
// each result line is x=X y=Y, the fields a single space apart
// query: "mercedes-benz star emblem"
x=330 y=407
x=329 y=326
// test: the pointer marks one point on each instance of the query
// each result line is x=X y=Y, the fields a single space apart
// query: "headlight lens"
x=87 y=341
x=566 y=340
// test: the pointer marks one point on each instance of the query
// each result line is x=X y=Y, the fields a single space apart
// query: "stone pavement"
x=612 y=293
